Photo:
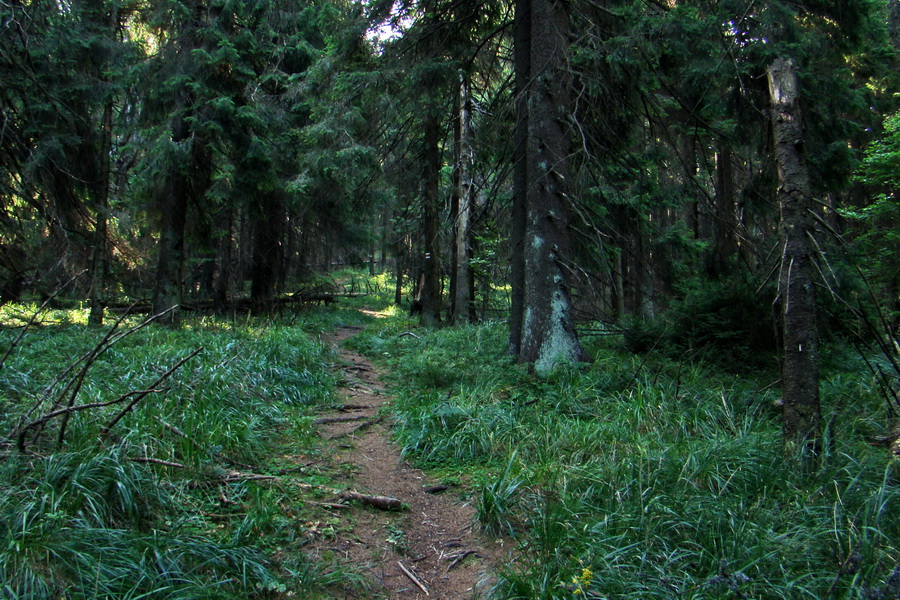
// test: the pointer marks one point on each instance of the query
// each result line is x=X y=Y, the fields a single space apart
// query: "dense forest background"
x=709 y=181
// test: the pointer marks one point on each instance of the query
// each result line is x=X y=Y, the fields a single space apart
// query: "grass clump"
x=161 y=505
x=645 y=477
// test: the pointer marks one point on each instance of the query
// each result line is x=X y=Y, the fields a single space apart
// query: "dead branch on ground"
x=375 y=501
x=135 y=396
x=413 y=578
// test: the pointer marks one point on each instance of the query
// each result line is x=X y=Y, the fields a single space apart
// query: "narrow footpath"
x=432 y=549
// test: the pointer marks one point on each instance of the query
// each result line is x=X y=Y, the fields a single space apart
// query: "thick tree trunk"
x=548 y=332
x=522 y=59
x=800 y=369
x=430 y=293
x=463 y=289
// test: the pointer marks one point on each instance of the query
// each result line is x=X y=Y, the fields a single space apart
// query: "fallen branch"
x=349 y=407
x=459 y=557
x=373 y=500
x=174 y=430
x=144 y=393
x=333 y=505
x=69 y=393
x=238 y=476
x=356 y=429
x=34 y=317
x=327 y=420
x=413 y=578
x=157 y=461
x=379 y=502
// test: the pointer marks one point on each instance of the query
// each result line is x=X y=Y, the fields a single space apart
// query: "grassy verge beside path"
x=168 y=504
x=634 y=479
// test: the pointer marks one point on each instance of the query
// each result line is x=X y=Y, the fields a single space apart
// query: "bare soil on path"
x=430 y=550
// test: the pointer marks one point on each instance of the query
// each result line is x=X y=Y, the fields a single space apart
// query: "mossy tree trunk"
x=548 y=329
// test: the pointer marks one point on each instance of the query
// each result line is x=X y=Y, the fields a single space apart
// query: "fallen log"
x=373 y=500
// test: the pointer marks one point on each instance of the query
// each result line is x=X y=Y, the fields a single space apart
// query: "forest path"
x=435 y=540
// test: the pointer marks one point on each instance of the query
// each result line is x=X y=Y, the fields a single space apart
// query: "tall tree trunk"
x=267 y=250
x=463 y=291
x=101 y=244
x=644 y=275
x=430 y=293
x=170 y=262
x=723 y=221
x=522 y=59
x=385 y=236
x=222 y=273
x=548 y=332
x=800 y=369
x=455 y=192
x=398 y=287
x=619 y=285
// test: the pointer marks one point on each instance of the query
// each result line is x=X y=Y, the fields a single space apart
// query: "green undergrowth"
x=166 y=504
x=646 y=477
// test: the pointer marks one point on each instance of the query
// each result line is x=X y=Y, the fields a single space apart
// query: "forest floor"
x=431 y=548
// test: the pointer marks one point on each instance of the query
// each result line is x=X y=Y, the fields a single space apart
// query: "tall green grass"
x=147 y=511
x=637 y=478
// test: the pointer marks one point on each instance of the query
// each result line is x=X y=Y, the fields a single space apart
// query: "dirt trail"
x=435 y=540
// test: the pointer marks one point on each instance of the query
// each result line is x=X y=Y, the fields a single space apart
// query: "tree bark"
x=463 y=290
x=548 y=332
x=267 y=249
x=522 y=59
x=430 y=293
x=222 y=270
x=800 y=368
x=101 y=200
x=723 y=221
x=170 y=262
